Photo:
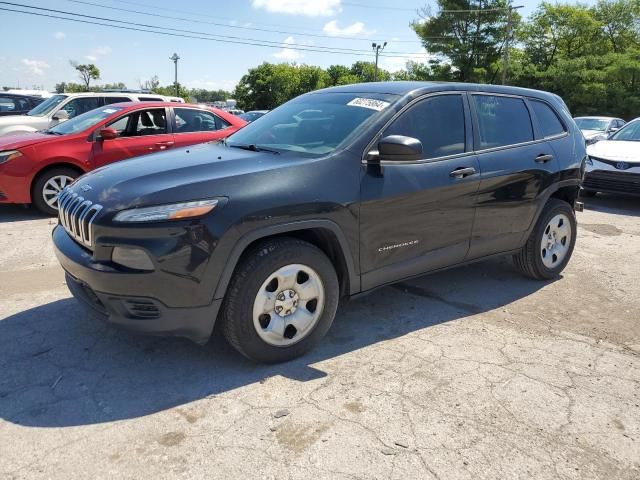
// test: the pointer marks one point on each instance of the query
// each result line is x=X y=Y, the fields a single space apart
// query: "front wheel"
x=281 y=300
x=48 y=186
x=551 y=242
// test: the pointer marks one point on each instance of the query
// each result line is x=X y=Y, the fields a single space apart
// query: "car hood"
x=191 y=173
x=14 y=141
x=10 y=120
x=588 y=134
x=616 y=150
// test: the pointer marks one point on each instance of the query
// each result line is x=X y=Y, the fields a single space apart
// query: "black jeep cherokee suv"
x=334 y=193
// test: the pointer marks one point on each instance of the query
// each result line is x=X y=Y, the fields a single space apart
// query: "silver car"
x=63 y=106
x=598 y=128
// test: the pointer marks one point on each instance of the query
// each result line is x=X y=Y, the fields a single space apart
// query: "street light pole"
x=175 y=59
x=376 y=48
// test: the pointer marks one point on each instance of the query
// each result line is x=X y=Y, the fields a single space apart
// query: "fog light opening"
x=133 y=258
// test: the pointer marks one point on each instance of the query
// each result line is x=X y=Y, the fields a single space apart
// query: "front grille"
x=612 y=182
x=76 y=216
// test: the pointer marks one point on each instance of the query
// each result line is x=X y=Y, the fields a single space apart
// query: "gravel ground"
x=468 y=374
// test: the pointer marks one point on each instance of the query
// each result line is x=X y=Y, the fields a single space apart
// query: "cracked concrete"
x=474 y=373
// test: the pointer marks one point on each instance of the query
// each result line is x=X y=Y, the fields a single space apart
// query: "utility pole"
x=376 y=48
x=175 y=59
x=505 y=55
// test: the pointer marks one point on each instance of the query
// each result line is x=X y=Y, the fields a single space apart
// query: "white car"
x=613 y=165
x=598 y=128
x=62 y=106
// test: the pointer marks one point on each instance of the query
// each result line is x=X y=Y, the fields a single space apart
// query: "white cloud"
x=104 y=50
x=399 y=62
x=287 y=53
x=352 y=30
x=310 y=8
x=91 y=58
x=59 y=35
x=37 y=67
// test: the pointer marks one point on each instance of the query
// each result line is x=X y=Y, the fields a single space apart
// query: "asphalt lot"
x=472 y=373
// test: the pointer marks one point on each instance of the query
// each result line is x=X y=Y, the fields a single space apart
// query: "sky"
x=36 y=51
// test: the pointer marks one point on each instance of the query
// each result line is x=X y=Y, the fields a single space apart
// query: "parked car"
x=613 y=165
x=14 y=104
x=64 y=106
x=235 y=111
x=35 y=167
x=252 y=115
x=598 y=128
x=268 y=230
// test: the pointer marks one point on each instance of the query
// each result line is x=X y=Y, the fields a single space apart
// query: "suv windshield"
x=84 y=121
x=630 y=132
x=592 y=124
x=314 y=124
x=46 y=106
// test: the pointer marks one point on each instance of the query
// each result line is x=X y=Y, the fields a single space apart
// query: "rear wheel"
x=551 y=242
x=281 y=300
x=48 y=186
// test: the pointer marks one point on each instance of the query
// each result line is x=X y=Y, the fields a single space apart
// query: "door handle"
x=542 y=158
x=462 y=172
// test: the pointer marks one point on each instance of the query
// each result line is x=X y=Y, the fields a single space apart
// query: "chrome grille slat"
x=77 y=215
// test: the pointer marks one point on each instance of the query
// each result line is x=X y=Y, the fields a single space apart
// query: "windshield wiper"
x=51 y=132
x=252 y=147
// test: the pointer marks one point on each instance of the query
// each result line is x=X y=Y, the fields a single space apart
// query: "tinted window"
x=150 y=99
x=502 y=121
x=78 y=106
x=7 y=104
x=108 y=100
x=547 y=119
x=437 y=122
x=141 y=123
x=195 y=120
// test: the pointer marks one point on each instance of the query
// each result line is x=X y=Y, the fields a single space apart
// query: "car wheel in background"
x=48 y=186
x=551 y=242
x=281 y=300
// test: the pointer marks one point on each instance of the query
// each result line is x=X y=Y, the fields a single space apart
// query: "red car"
x=35 y=167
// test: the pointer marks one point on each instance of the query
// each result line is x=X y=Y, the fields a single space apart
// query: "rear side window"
x=150 y=99
x=195 y=120
x=549 y=122
x=108 y=100
x=438 y=122
x=502 y=121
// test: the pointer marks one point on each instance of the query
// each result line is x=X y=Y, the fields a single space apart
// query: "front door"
x=517 y=166
x=417 y=216
x=139 y=133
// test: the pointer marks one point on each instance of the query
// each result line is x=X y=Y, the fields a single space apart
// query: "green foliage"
x=86 y=72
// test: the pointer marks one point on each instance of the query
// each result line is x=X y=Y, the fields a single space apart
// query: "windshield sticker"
x=109 y=110
x=371 y=103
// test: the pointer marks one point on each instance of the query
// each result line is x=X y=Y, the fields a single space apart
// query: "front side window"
x=84 y=121
x=47 y=106
x=502 y=121
x=141 y=123
x=315 y=124
x=195 y=120
x=81 y=105
x=438 y=122
x=547 y=119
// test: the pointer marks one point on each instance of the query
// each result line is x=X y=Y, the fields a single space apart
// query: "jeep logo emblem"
x=622 y=165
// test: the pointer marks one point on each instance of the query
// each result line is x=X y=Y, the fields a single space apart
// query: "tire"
x=539 y=260
x=271 y=337
x=60 y=177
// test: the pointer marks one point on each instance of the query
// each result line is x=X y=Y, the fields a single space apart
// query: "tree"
x=152 y=84
x=471 y=34
x=86 y=72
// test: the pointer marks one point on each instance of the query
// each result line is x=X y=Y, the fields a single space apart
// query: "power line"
x=122 y=27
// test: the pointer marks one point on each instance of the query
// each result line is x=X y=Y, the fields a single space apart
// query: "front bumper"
x=98 y=288
x=605 y=176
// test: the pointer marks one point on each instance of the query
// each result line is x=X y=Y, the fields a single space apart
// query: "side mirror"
x=108 y=134
x=61 y=115
x=399 y=148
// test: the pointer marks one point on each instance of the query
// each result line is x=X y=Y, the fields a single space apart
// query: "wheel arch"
x=52 y=166
x=324 y=234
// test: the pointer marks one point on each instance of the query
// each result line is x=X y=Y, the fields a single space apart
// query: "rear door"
x=417 y=216
x=196 y=125
x=517 y=165
x=140 y=132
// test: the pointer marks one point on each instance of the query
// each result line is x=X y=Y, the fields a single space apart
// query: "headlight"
x=9 y=155
x=174 y=211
